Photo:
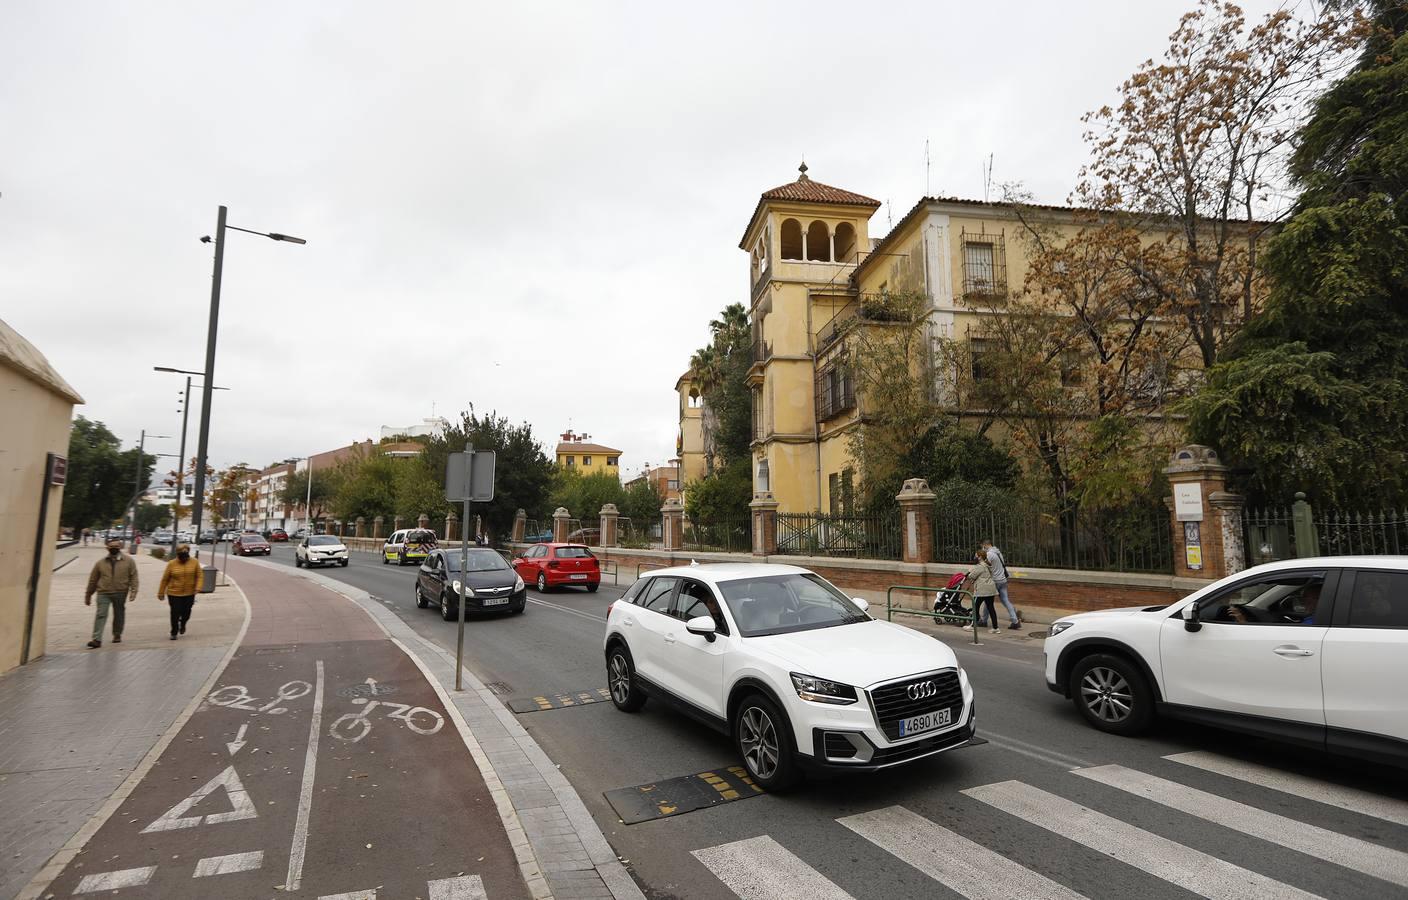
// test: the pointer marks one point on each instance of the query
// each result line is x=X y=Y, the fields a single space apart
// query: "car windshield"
x=573 y=553
x=252 y=538
x=778 y=604
x=420 y=537
x=480 y=560
x=323 y=540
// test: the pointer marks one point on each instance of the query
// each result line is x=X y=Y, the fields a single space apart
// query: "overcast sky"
x=531 y=207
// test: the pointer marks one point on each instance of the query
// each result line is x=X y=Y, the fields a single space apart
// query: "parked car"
x=490 y=584
x=542 y=537
x=300 y=534
x=796 y=672
x=207 y=536
x=553 y=565
x=276 y=535
x=251 y=543
x=409 y=545
x=184 y=538
x=162 y=536
x=320 y=550
x=1313 y=651
x=589 y=536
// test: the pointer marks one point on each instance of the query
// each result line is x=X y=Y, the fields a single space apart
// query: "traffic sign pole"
x=464 y=565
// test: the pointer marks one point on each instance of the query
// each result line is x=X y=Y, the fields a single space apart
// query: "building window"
x=586 y=460
x=612 y=460
x=818 y=242
x=571 y=462
x=845 y=243
x=791 y=239
x=672 y=485
x=835 y=392
x=756 y=401
x=980 y=359
x=1072 y=370
x=984 y=265
x=763 y=479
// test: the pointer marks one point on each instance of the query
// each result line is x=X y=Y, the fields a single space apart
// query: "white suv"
x=1312 y=651
x=794 y=670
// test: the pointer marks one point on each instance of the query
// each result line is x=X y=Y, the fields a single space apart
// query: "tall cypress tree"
x=1313 y=393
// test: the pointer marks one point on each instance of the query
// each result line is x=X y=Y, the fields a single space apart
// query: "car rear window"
x=573 y=553
x=420 y=536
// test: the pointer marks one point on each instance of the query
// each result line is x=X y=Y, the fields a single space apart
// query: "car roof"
x=718 y=572
x=568 y=544
x=1338 y=562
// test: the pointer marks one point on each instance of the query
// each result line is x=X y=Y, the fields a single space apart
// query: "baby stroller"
x=949 y=600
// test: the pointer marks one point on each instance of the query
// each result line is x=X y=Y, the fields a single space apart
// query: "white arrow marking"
x=371 y=686
x=238 y=743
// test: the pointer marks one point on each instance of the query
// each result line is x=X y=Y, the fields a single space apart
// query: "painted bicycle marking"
x=237 y=696
x=352 y=727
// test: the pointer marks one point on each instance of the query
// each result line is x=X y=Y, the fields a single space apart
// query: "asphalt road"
x=1046 y=808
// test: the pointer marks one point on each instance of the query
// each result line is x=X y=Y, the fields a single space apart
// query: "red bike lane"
x=322 y=764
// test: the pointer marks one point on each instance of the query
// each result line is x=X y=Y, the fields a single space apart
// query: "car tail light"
x=608 y=608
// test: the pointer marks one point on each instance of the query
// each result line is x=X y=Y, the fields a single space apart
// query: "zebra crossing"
x=760 y=867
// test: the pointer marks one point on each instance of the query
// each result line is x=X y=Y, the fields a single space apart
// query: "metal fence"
x=722 y=535
x=1129 y=540
x=1274 y=534
x=819 y=534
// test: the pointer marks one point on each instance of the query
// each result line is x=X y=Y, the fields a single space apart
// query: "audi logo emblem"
x=922 y=689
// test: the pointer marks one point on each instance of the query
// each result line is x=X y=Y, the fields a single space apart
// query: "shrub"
x=158 y=552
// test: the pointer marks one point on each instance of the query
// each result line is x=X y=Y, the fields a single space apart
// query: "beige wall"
x=23 y=457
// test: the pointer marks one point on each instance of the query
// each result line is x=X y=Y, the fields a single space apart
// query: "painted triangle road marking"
x=241 y=807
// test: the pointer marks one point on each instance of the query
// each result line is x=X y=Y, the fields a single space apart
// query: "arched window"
x=845 y=242
x=694 y=400
x=791 y=239
x=818 y=242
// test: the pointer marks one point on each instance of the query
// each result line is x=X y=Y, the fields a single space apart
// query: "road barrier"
x=615 y=575
x=641 y=567
x=971 y=616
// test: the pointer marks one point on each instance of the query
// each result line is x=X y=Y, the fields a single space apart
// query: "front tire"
x=401 y=560
x=447 y=612
x=421 y=602
x=621 y=680
x=764 y=740
x=345 y=562
x=384 y=560
x=1112 y=694
x=297 y=563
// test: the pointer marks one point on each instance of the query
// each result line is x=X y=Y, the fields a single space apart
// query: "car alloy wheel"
x=1107 y=694
x=445 y=608
x=757 y=737
x=619 y=678
x=542 y=583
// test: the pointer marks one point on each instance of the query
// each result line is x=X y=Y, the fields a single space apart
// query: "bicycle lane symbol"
x=352 y=727
x=237 y=696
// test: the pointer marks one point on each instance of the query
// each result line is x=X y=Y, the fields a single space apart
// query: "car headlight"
x=1058 y=628
x=468 y=592
x=517 y=583
x=819 y=690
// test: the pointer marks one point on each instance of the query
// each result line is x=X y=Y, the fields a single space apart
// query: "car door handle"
x=628 y=622
x=670 y=638
x=1287 y=650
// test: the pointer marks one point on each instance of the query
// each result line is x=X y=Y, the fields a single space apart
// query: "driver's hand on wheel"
x=1237 y=614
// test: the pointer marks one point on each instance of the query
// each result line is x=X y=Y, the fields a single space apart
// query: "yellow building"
x=578 y=453
x=812 y=265
x=690 y=445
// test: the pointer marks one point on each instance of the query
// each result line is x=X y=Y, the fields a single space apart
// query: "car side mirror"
x=1190 y=618
x=703 y=626
x=863 y=603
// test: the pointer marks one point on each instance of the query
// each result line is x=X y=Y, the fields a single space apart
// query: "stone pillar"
x=377 y=524
x=560 y=525
x=1303 y=527
x=422 y=521
x=916 y=521
x=672 y=524
x=452 y=527
x=328 y=527
x=1205 y=519
x=361 y=526
x=764 y=512
x=396 y=523
x=520 y=525
x=609 y=514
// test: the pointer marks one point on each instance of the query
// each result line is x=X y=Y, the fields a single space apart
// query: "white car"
x=320 y=550
x=1312 y=651
x=789 y=666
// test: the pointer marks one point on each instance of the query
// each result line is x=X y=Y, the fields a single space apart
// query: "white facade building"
x=432 y=427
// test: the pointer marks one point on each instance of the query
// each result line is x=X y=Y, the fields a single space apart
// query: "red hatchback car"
x=553 y=565
x=251 y=544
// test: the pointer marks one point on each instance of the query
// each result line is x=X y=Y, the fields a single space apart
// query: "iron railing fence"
x=1128 y=540
x=723 y=535
x=820 y=534
x=1271 y=533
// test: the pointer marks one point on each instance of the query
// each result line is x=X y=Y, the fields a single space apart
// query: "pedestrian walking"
x=984 y=591
x=86 y=535
x=1000 y=576
x=114 y=580
x=179 y=583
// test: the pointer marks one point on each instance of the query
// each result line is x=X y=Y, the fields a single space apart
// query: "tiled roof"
x=805 y=190
x=586 y=448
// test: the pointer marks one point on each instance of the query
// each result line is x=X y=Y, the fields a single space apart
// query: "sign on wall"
x=58 y=469
x=1188 y=502
x=1193 y=545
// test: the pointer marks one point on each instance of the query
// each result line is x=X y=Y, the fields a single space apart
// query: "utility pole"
x=181 y=472
x=137 y=486
x=203 y=443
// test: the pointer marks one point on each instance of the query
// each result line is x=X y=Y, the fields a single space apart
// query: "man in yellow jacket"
x=179 y=584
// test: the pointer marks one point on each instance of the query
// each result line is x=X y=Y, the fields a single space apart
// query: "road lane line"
x=465 y=887
x=1190 y=869
x=762 y=869
x=567 y=609
x=1323 y=844
x=351 y=895
x=954 y=861
x=1059 y=760
x=305 y=795
x=228 y=865
x=111 y=881
x=1353 y=799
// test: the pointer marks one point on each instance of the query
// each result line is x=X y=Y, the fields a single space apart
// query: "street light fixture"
x=307 y=503
x=181 y=465
x=211 y=331
x=137 y=486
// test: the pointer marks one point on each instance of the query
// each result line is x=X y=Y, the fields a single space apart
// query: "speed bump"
x=659 y=799
x=558 y=701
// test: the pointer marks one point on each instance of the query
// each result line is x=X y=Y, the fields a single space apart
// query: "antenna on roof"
x=987 y=177
x=889 y=214
x=926 y=167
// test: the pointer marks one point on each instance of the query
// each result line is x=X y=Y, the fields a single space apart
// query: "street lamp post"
x=308 y=502
x=137 y=486
x=211 y=331
x=181 y=458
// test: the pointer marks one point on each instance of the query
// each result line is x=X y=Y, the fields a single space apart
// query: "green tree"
x=101 y=475
x=1313 y=394
x=641 y=504
x=585 y=495
x=523 y=472
x=151 y=516
x=365 y=487
x=722 y=495
x=295 y=490
x=417 y=490
x=720 y=371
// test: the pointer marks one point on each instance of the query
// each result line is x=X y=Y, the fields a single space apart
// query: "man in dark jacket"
x=114 y=579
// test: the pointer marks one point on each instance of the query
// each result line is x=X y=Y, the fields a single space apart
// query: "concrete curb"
x=562 y=837
x=56 y=864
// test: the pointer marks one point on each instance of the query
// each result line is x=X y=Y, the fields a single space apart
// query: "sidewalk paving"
x=75 y=722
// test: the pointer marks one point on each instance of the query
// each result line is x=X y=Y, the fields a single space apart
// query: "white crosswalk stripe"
x=465 y=887
x=951 y=859
x=762 y=869
x=1368 y=803
x=1331 y=846
x=1190 y=869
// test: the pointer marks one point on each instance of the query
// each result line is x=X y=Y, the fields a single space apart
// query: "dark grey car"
x=491 y=585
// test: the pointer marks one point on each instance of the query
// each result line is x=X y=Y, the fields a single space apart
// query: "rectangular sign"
x=1193 y=545
x=1188 y=502
x=58 y=469
x=481 y=490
